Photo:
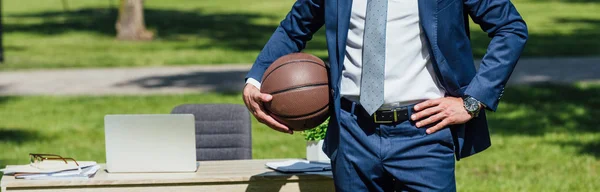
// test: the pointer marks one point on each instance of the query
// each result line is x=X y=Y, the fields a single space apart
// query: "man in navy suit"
x=407 y=98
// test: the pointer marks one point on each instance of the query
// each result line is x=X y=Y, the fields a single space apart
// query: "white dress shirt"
x=409 y=75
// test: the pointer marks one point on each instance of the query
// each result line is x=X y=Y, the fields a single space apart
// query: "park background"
x=545 y=135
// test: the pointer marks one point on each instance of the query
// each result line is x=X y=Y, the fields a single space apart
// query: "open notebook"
x=297 y=166
x=85 y=173
x=50 y=170
x=46 y=167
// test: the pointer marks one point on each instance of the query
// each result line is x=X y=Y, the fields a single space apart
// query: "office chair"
x=223 y=131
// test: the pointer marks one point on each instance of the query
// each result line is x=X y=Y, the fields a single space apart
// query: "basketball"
x=299 y=85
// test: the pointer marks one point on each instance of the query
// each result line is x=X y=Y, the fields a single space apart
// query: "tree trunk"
x=65 y=5
x=130 y=25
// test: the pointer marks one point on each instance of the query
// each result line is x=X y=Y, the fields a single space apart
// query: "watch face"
x=471 y=104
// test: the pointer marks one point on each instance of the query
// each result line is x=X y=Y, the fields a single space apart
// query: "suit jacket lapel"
x=428 y=19
x=343 y=22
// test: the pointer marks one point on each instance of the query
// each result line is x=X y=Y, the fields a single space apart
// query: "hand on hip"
x=440 y=113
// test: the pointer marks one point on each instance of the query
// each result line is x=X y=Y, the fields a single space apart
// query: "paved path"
x=150 y=80
x=228 y=78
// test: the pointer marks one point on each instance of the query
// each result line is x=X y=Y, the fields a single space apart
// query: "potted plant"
x=314 y=143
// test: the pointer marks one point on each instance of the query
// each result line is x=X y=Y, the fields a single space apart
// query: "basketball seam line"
x=297 y=87
x=296 y=116
x=289 y=62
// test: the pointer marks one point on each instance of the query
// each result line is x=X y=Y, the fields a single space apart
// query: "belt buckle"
x=395 y=114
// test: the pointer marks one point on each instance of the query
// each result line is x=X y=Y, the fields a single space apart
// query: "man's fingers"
x=425 y=113
x=262 y=97
x=437 y=127
x=265 y=97
x=431 y=119
x=266 y=119
x=254 y=102
x=427 y=104
x=271 y=122
x=274 y=124
x=247 y=102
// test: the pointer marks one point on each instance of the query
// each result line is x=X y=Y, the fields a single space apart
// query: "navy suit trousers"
x=392 y=157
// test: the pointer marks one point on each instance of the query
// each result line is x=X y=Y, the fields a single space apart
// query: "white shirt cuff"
x=254 y=82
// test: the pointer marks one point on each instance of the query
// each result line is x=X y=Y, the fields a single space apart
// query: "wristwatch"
x=471 y=105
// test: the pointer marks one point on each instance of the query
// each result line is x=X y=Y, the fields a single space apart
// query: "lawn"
x=545 y=137
x=41 y=34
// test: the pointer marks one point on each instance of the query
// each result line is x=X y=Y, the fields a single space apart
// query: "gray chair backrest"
x=223 y=131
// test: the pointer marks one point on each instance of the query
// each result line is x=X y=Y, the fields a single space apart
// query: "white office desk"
x=238 y=175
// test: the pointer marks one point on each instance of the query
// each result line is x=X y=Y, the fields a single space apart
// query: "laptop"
x=150 y=143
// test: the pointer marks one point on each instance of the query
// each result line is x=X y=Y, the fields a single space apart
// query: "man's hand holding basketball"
x=254 y=100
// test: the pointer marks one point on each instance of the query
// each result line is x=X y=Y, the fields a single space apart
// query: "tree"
x=130 y=25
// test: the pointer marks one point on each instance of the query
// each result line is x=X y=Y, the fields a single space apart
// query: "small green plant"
x=316 y=134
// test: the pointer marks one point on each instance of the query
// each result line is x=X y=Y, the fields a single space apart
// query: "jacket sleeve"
x=298 y=27
x=501 y=21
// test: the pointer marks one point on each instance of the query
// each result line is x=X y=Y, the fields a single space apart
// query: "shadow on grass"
x=583 y=41
x=536 y=110
x=224 y=30
x=240 y=31
x=590 y=148
x=231 y=82
x=546 y=108
x=18 y=136
x=4 y=99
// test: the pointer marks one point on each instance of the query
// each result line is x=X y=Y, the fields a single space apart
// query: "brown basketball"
x=300 y=89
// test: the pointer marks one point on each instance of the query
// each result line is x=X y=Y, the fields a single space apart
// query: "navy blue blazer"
x=444 y=26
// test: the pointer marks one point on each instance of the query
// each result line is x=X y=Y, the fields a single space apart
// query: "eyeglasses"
x=36 y=159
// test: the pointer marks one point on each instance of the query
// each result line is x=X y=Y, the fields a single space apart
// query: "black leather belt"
x=393 y=115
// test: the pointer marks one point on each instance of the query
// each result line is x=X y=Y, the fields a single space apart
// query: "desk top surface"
x=208 y=172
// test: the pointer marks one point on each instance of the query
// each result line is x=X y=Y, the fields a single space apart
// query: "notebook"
x=298 y=166
x=47 y=167
x=85 y=173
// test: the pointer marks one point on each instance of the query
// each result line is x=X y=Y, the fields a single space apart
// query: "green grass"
x=74 y=126
x=545 y=137
x=556 y=28
x=40 y=34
